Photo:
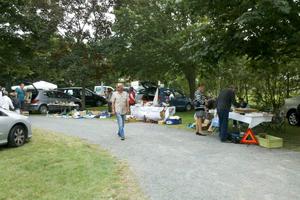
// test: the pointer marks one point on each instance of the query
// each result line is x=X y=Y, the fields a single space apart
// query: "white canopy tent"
x=42 y=85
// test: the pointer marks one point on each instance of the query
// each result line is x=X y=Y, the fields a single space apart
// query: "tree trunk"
x=191 y=78
x=83 y=97
x=288 y=85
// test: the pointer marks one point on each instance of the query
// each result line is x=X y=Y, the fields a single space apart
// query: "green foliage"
x=251 y=44
x=25 y=32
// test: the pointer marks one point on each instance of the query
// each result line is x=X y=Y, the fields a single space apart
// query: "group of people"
x=14 y=100
x=120 y=102
x=224 y=102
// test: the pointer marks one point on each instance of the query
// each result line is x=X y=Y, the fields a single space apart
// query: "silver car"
x=15 y=129
x=291 y=110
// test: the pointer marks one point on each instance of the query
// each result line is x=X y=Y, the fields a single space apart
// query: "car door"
x=178 y=99
x=52 y=100
x=5 y=122
x=90 y=99
x=61 y=97
x=50 y=97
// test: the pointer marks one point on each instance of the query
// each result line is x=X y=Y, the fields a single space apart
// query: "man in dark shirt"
x=225 y=100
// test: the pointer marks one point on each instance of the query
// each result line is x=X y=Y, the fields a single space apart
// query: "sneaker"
x=122 y=138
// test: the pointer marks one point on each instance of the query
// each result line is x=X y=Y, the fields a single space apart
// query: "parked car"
x=102 y=90
x=291 y=110
x=15 y=129
x=91 y=98
x=40 y=99
x=173 y=97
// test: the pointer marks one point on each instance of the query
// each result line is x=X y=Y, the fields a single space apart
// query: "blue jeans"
x=121 y=123
x=223 y=123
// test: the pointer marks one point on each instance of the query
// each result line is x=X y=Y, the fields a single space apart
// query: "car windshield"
x=99 y=89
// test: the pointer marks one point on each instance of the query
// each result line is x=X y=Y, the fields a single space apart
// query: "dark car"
x=91 y=98
x=44 y=101
x=173 y=97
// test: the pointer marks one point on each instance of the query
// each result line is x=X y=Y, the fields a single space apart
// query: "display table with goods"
x=249 y=116
x=253 y=119
x=151 y=112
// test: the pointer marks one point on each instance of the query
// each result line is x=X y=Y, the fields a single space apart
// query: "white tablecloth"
x=151 y=112
x=253 y=119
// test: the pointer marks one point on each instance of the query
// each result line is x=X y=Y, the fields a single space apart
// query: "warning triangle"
x=249 y=138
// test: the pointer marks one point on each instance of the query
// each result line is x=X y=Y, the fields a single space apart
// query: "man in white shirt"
x=120 y=106
x=6 y=102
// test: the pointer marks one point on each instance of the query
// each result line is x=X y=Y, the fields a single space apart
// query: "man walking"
x=120 y=106
x=224 y=102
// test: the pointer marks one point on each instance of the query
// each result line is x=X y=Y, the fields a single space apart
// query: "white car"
x=15 y=129
x=291 y=110
x=102 y=90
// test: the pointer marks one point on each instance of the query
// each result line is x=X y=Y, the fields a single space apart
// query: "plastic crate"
x=173 y=121
x=270 y=141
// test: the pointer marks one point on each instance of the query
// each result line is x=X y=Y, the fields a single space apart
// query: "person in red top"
x=131 y=96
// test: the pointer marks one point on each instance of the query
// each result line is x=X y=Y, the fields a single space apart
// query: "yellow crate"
x=161 y=122
x=270 y=141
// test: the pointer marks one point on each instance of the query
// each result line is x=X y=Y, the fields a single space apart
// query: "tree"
x=25 y=32
x=149 y=41
x=85 y=23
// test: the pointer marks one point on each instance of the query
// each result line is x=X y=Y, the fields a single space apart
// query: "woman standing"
x=131 y=96
x=199 y=104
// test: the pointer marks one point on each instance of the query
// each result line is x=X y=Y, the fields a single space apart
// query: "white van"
x=101 y=90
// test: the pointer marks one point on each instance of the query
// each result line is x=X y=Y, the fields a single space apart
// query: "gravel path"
x=173 y=164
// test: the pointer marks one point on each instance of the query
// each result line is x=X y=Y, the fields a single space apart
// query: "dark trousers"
x=223 y=123
x=109 y=105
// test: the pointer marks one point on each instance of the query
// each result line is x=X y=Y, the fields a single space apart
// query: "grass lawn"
x=100 y=108
x=53 y=166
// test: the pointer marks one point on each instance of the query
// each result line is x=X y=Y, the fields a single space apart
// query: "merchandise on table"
x=244 y=110
x=252 y=119
x=152 y=113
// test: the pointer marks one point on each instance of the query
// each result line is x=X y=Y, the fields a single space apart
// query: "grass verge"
x=53 y=166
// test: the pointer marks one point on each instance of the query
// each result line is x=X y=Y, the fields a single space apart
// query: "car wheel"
x=293 y=118
x=99 y=103
x=188 y=107
x=17 y=136
x=43 y=109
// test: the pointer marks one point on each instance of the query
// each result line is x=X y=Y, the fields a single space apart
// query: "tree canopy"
x=252 y=44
